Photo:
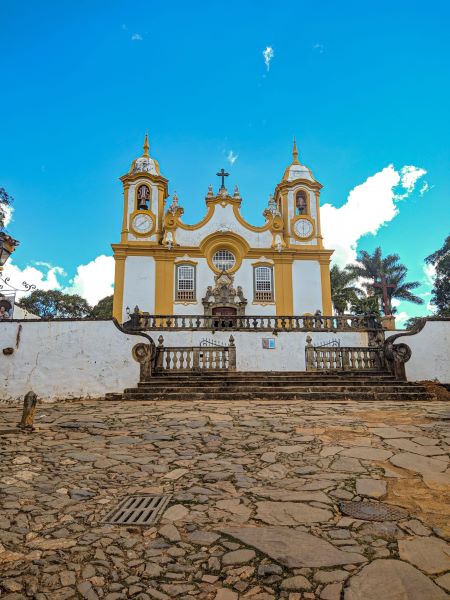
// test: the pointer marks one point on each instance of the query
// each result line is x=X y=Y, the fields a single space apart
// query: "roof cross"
x=222 y=174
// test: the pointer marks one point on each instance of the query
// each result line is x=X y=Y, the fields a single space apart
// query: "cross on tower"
x=384 y=285
x=222 y=174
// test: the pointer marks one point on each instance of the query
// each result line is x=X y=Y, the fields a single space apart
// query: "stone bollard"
x=29 y=411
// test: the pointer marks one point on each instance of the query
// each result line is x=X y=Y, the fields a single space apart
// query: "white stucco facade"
x=307 y=291
x=139 y=286
x=289 y=244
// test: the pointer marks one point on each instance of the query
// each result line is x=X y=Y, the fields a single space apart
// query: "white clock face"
x=142 y=223
x=303 y=228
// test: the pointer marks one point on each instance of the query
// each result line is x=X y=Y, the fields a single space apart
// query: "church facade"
x=222 y=265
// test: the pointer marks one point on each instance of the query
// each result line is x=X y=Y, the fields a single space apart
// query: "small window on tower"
x=263 y=284
x=301 y=202
x=185 y=289
x=143 y=197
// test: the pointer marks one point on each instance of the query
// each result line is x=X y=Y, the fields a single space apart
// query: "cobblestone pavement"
x=255 y=507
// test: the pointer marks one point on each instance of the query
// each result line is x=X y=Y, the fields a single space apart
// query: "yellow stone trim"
x=263 y=262
x=224 y=241
x=143 y=212
x=164 y=284
x=243 y=222
x=284 y=288
x=326 y=287
x=119 y=280
x=299 y=218
x=123 y=233
x=181 y=260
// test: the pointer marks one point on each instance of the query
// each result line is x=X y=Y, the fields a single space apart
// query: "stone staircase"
x=331 y=386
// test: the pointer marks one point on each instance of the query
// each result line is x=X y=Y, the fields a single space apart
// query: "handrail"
x=344 y=358
x=147 y=322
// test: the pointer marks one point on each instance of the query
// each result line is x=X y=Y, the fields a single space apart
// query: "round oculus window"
x=223 y=260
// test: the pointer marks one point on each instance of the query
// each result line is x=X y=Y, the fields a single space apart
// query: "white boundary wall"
x=430 y=352
x=73 y=359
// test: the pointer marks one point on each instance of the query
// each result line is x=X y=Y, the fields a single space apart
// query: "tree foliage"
x=343 y=290
x=52 y=304
x=370 y=268
x=441 y=287
x=5 y=200
x=366 y=305
x=103 y=309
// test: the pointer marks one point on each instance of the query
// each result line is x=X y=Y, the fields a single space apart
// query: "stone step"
x=280 y=395
x=252 y=383
x=274 y=374
x=255 y=390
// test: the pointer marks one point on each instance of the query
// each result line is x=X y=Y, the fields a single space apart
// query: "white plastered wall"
x=65 y=359
x=73 y=359
x=139 y=285
x=307 y=286
x=430 y=352
x=223 y=220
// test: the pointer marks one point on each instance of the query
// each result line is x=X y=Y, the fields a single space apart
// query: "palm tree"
x=343 y=292
x=372 y=267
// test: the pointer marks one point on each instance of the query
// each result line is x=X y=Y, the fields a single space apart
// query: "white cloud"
x=401 y=318
x=410 y=175
x=44 y=279
x=319 y=47
x=6 y=213
x=231 y=157
x=268 y=54
x=430 y=273
x=369 y=206
x=93 y=281
x=137 y=37
x=425 y=188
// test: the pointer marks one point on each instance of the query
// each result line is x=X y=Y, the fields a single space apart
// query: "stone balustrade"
x=146 y=322
x=195 y=358
x=350 y=358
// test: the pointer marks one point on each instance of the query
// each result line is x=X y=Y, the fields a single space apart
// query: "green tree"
x=441 y=287
x=103 y=309
x=54 y=304
x=343 y=290
x=370 y=268
x=366 y=305
x=5 y=201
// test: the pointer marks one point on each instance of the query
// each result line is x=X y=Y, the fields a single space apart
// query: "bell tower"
x=144 y=193
x=298 y=196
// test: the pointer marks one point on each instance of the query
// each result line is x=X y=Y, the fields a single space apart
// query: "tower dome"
x=296 y=170
x=145 y=163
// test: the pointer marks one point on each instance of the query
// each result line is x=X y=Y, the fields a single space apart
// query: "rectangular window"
x=185 y=290
x=263 y=284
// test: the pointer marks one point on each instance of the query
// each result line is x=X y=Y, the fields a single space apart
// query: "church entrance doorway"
x=222 y=312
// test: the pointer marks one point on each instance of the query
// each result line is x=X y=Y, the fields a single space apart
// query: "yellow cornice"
x=132 y=177
x=286 y=185
x=139 y=248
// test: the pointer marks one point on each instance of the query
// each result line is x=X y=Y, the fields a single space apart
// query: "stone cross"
x=222 y=174
x=384 y=285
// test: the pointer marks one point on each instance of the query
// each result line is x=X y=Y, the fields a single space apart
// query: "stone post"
x=29 y=411
x=232 y=355
x=309 y=354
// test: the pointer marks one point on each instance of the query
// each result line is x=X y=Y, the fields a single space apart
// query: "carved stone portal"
x=223 y=298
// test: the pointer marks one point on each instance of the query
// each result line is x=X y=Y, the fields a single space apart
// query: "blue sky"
x=362 y=85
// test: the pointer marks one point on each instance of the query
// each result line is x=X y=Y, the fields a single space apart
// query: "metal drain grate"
x=372 y=511
x=145 y=509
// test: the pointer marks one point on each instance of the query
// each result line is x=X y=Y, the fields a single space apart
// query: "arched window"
x=223 y=260
x=185 y=283
x=301 y=203
x=143 y=197
x=263 y=284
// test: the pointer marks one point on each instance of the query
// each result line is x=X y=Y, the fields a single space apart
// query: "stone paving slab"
x=254 y=512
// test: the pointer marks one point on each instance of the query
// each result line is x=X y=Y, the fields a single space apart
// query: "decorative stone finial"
x=146 y=146
x=236 y=192
x=210 y=193
x=295 y=153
